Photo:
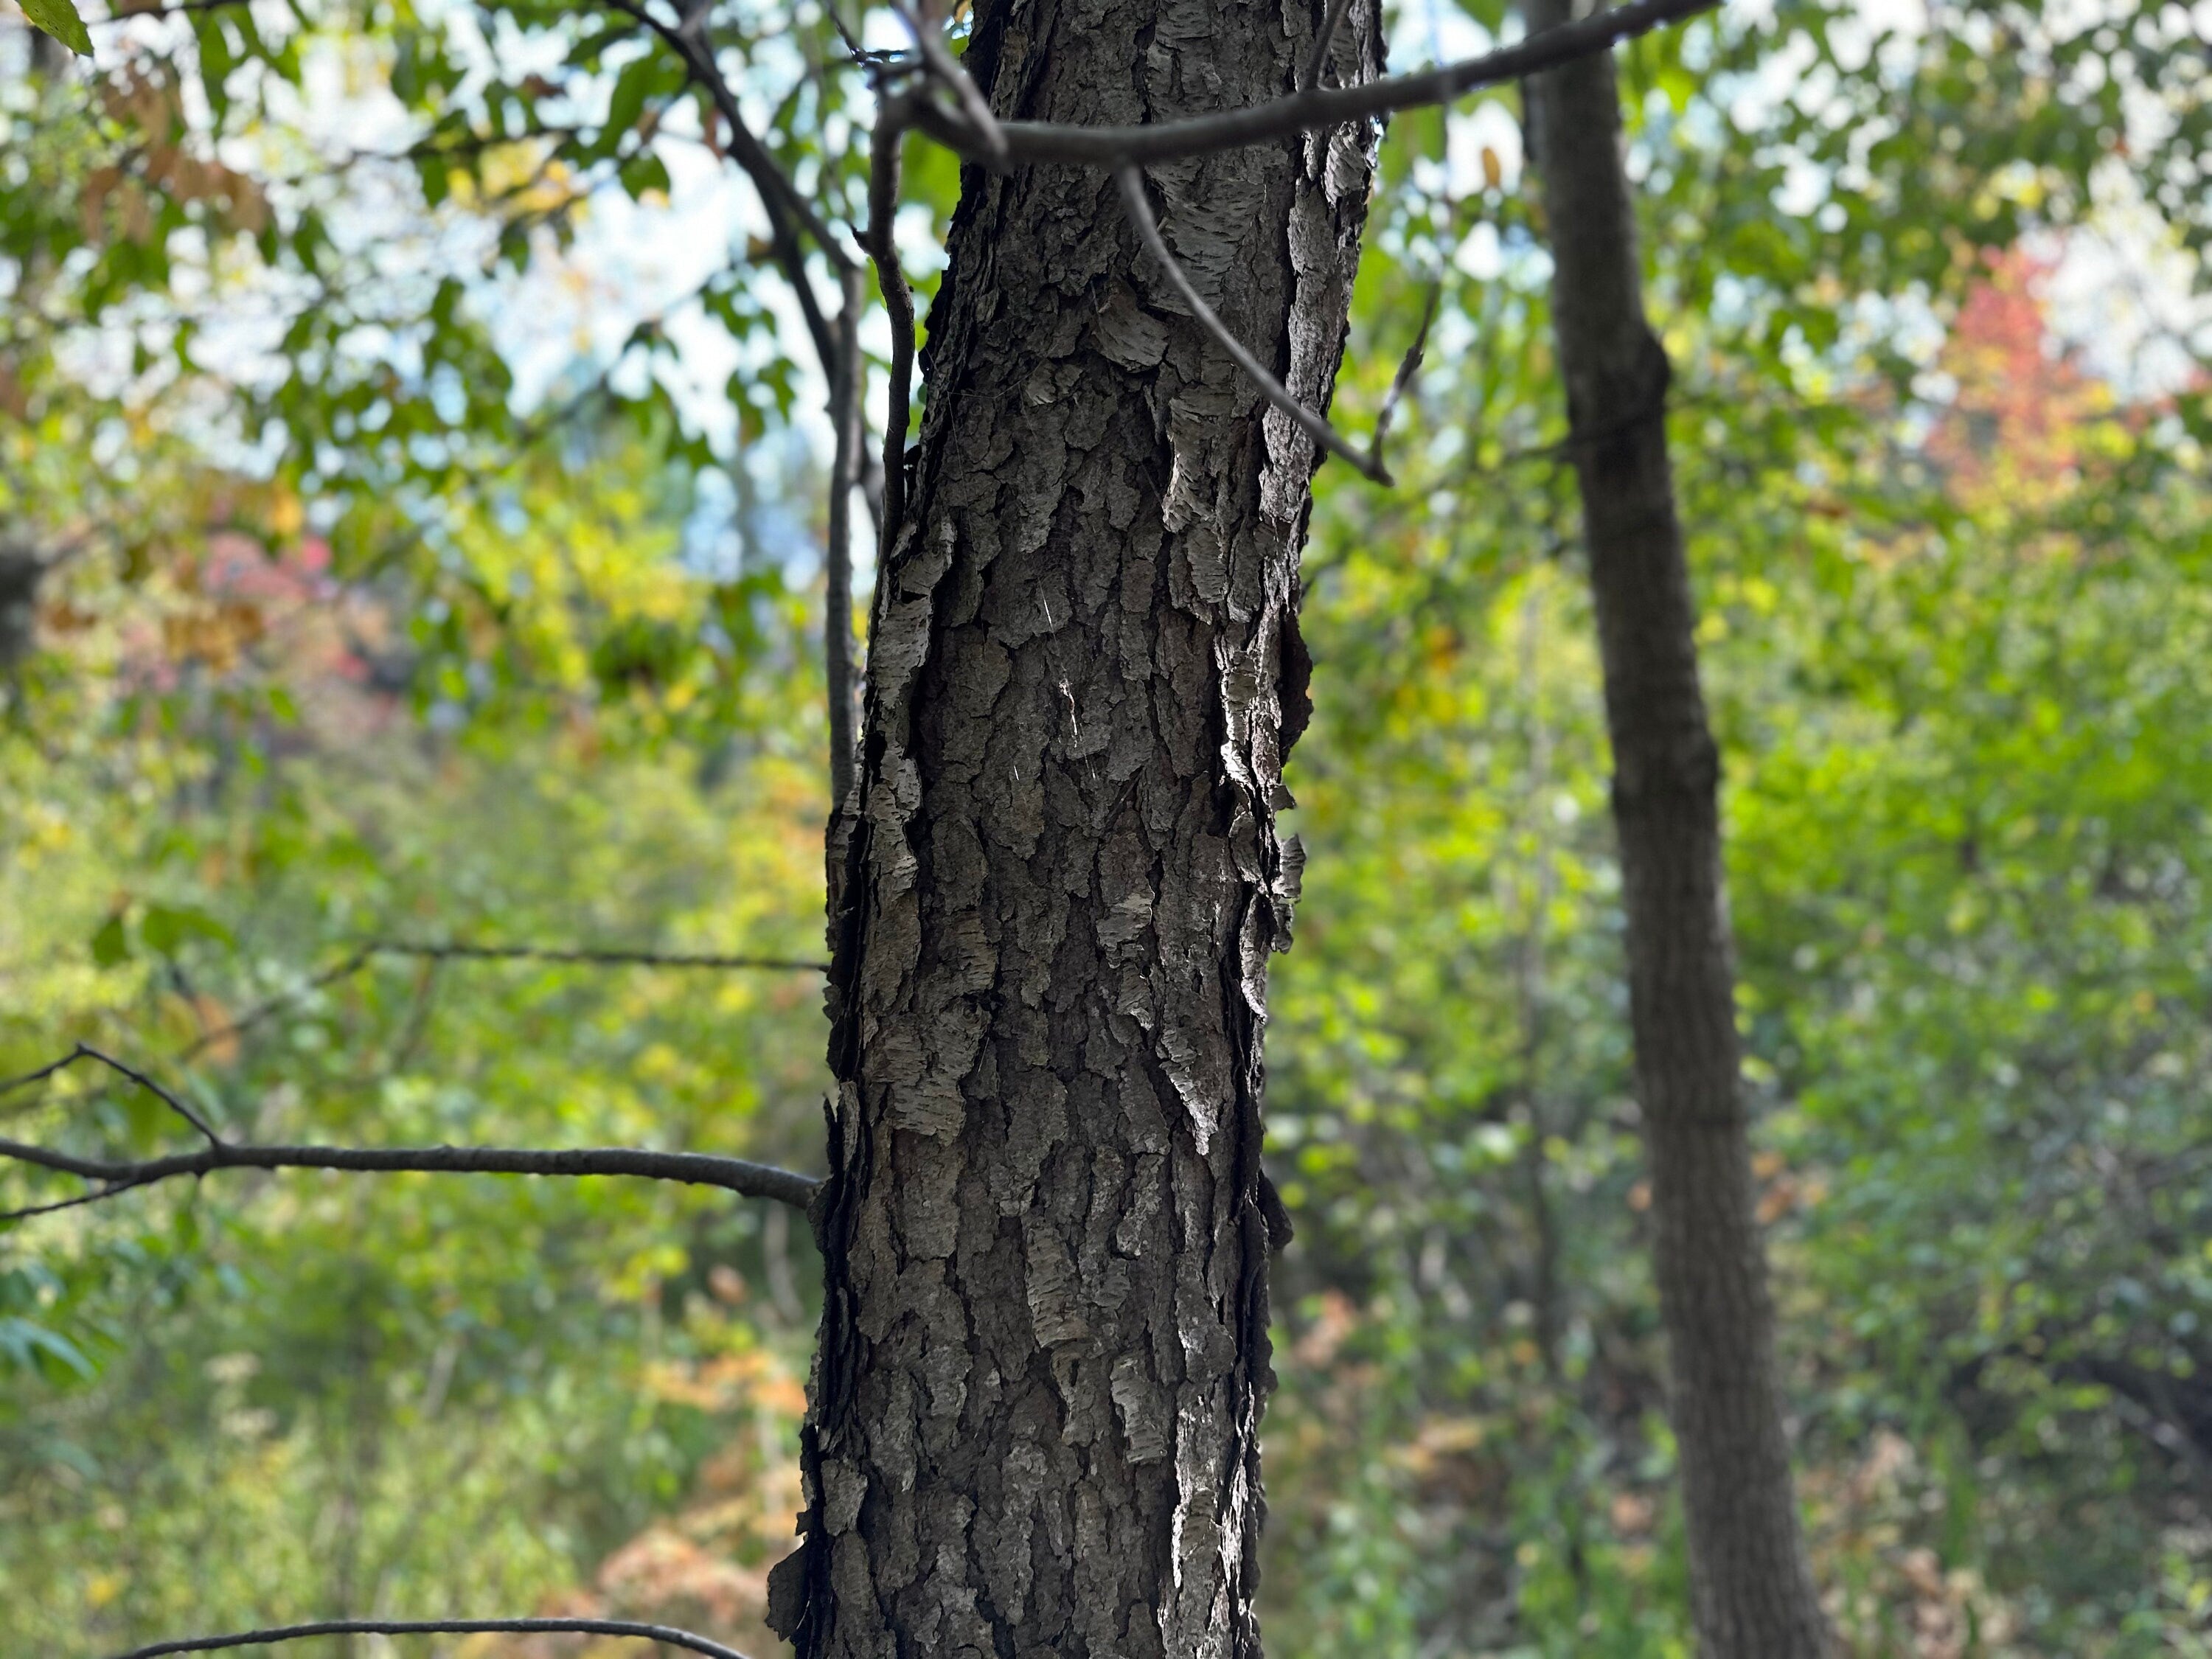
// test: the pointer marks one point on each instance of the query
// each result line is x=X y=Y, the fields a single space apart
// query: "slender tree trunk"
x=1751 y=1587
x=1035 y=1414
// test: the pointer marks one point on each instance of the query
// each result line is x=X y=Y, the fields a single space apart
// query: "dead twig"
x=116 y=1177
x=1368 y=462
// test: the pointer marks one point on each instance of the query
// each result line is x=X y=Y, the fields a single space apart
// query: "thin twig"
x=86 y=1051
x=28 y=1211
x=1408 y=366
x=40 y=1076
x=788 y=212
x=253 y=1017
x=1322 y=42
x=689 y=1640
x=176 y=8
x=1314 y=426
x=1304 y=111
x=895 y=113
x=954 y=75
x=848 y=390
x=591 y=955
x=734 y=1175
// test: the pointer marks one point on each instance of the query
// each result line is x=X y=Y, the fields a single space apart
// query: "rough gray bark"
x=1751 y=1587
x=1044 y=1345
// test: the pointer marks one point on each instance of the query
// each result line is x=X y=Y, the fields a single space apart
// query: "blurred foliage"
x=316 y=627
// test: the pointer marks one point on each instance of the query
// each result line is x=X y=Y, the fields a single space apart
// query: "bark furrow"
x=1044 y=1353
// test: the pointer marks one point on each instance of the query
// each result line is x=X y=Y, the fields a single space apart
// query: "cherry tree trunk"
x=1751 y=1588
x=1044 y=1353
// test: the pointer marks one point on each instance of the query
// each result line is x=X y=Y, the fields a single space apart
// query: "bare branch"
x=86 y=1051
x=948 y=69
x=847 y=387
x=735 y=1174
x=589 y=955
x=1322 y=42
x=177 y=9
x=1304 y=111
x=1314 y=426
x=688 y=1640
x=788 y=212
x=894 y=113
x=1408 y=366
x=40 y=1076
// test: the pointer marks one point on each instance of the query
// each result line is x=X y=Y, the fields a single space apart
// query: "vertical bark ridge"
x=1750 y=1586
x=1044 y=1350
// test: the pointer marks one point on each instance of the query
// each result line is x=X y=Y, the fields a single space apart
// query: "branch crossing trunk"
x=1044 y=1353
x=1752 y=1588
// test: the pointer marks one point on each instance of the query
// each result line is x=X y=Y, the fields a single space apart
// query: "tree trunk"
x=1044 y=1343
x=1751 y=1587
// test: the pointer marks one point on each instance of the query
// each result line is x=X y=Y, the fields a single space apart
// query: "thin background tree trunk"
x=1750 y=1586
x=1044 y=1346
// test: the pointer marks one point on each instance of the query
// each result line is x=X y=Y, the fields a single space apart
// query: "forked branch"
x=1306 y=110
x=1314 y=425
x=894 y=113
x=113 y=1177
x=937 y=58
x=690 y=1641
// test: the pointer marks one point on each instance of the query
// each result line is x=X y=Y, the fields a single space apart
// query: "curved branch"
x=953 y=76
x=86 y=1051
x=689 y=1640
x=1305 y=111
x=1313 y=424
x=894 y=113
x=789 y=213
x=735 y=1174
x=847 y=391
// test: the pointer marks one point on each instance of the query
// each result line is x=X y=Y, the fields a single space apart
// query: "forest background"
x=408 y=536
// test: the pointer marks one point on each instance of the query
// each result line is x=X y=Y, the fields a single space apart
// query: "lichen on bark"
x=1058 y=880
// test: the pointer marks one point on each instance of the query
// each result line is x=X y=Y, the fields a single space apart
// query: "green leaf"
x=31 y=1347
x=110 y=945
x=165 y=928
x=627 y=102
x=58 y=18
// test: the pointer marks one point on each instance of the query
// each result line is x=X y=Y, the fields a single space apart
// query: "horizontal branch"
x=689 y=1640
x=456 y=951
x=735 y=1174
x=116 y=1177
x=1301 y=111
